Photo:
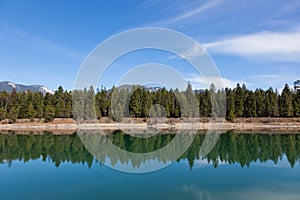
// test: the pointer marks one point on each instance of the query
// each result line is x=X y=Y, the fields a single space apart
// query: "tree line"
x=142 y=103
x=31 y=105
x=231 y=148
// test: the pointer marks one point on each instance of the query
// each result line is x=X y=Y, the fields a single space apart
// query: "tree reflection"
x=231 y=148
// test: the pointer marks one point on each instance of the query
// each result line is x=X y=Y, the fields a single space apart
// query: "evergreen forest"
x=240 y=102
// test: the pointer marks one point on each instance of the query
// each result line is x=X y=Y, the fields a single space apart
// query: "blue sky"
x=254 y=42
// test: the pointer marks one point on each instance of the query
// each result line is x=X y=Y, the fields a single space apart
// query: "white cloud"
x=264 y=81
x=275 y=80
x=220 y=82
x=190 y=53
x=274 y=46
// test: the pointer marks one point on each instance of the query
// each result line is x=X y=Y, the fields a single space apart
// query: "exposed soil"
x=69 y=126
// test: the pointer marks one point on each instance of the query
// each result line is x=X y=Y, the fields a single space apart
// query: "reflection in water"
x=231 y=148
x=137 y=154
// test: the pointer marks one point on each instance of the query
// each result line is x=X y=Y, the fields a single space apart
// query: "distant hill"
x=10 y=86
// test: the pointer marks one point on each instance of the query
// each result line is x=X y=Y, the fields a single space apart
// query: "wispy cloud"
x=288 y=8
x=193 y=191
x=272 y=46
x=195 y=11
x=34 y=41
x=188 y=10
x=266 y=76
x=219 y=82
x=282 y=190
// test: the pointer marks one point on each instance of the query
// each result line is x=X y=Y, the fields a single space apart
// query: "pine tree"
x=191 y=100
x=12 y=114
x=23 y=109
x=230 y=108
x=176 y=103
x=39 y=104
x=286 y=102
x=31 y=111
x=118 y=104
x=49 y=113
x=296 y=104
x=271 y=103
x=239 y=101
x=118 y=114
x=89 y=107
x=135 y=104
x=146 y=102
x=260 y=103
x=2 y=113
x=250 y=105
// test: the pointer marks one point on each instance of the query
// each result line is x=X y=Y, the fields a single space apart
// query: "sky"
x=253 y=42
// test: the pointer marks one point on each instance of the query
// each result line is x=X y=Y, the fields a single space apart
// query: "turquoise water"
x=241 y=166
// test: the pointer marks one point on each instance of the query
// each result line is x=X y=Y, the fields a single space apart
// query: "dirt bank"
x=69 y=126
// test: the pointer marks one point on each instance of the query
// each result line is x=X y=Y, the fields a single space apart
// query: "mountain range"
x=145 y=87
x=10 y=86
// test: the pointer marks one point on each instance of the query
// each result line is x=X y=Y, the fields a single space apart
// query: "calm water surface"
x=241 y=166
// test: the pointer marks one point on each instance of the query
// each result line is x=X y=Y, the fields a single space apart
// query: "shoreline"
x=70 y=126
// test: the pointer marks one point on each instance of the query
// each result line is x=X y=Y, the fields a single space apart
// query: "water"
x=240 y=166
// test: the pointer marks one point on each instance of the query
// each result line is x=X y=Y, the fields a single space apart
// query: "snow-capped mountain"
x=10 y=86
x=147 y=88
